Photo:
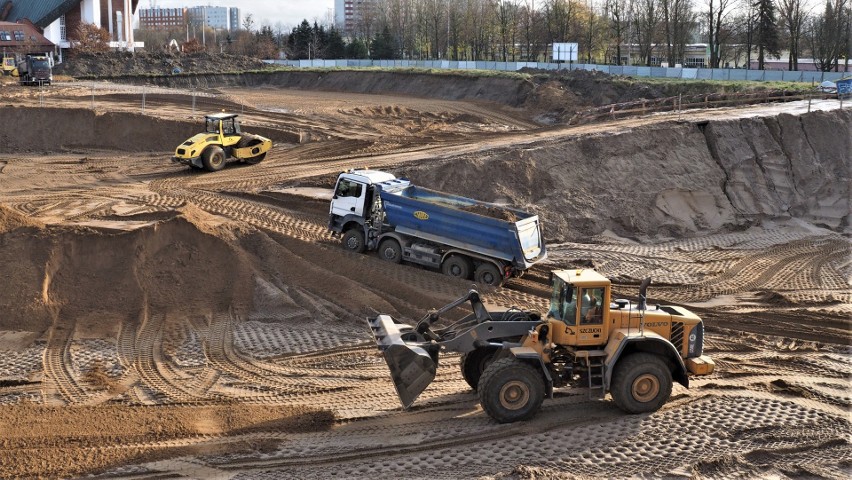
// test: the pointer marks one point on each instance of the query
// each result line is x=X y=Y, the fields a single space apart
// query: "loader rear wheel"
x=457 y=266
x=474 y=363
x=213 y=159
x=353 y=240
x=390 y=250
x=488 y=273
x=641 y=383
x=511 y=390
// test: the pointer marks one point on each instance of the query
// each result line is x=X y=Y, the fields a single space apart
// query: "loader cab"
x=580 y=301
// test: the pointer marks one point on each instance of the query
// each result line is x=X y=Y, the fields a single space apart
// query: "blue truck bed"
x=443 y=218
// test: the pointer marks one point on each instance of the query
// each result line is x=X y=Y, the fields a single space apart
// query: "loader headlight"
x=696 y=341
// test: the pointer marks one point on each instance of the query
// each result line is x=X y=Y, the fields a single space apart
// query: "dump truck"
x=222 y=139
x=35 y=69
x=515 y=358
x=463 y=237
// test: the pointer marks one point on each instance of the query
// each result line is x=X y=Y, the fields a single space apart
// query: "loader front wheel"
x=213 y=159
x=511 y=390
x=353 y=240
x=474 y=363
x=390 y=250
x=641 y=383
x=457 y=266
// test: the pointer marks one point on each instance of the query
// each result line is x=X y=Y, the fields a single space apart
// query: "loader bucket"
x=412 y=366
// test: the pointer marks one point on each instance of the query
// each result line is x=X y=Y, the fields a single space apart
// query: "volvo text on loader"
x=221 y=139
x=515 y=358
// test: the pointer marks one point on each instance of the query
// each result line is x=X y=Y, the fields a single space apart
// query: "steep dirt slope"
x=680 y=179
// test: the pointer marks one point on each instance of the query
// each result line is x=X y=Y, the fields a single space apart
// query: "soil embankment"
x=24 y=129
x=671 y=180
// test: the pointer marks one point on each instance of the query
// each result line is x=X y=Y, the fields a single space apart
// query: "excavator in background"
x=515 y=358
x=222 y=138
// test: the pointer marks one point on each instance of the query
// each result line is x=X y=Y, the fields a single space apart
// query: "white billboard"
x=566 y=52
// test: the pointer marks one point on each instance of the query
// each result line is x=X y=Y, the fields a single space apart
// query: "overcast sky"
x=288 y=12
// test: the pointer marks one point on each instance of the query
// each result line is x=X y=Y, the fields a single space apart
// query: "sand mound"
x=680 y=180
x=72 y=274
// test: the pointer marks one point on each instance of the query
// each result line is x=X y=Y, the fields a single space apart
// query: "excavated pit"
x=212 y=326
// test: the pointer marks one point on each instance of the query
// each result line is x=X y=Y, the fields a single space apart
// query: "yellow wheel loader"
x=222 y=139
x=515 y=358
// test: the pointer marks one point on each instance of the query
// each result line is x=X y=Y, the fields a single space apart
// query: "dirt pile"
x=116 y=64
x=678 y=180
x=69 y=274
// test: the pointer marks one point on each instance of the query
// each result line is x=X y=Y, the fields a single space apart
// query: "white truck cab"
x=351 y=190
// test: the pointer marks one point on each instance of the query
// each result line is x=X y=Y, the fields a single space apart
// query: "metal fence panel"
x=643 y=71
x=691 y=73
x=738 y=74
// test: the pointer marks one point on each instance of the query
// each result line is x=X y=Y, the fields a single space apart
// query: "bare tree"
x=616 y=12
x=793 y=17
x=678 y=19
x=717 y=15
x=647 y=17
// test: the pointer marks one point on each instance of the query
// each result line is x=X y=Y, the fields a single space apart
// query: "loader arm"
x=412 y=352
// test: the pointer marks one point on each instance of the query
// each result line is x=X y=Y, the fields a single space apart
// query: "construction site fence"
x=731 y=74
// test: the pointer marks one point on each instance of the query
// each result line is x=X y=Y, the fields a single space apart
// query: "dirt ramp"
x=669 y=180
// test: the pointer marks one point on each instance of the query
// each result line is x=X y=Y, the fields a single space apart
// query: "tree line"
x=707 y=33
x=637 y=32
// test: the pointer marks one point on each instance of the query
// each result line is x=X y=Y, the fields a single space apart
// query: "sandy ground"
x=158 y=322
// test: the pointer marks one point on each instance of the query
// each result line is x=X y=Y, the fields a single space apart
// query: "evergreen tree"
x=300 y=41
x=765 y=31
x=335 y=49
x=356 y=49
x=382 y=46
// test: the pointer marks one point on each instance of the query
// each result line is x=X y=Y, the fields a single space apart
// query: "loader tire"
x=641 y=383
x=489 y=274
x=510 y=390
x=213 y=158
x=390 y=250
x=457 y=266
x=353 y=240
x=250 y=141
x=474 y=363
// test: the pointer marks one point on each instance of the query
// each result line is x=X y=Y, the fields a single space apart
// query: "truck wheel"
x=488 y=273
x=213 y=158
x=390 y=250
x=510 y=390
x=456 y=266
x=353 y=240
x=641 y=383
x=474 y=363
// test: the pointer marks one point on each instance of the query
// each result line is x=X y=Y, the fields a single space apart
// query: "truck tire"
x=510 y=390
x=353 y=240
x=213 y=158
x=390 y=250
x=488 y=273
x=474 y=363
x=641 y=383
x=457 y=266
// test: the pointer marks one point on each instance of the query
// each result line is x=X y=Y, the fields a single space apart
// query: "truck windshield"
x=40 y=64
